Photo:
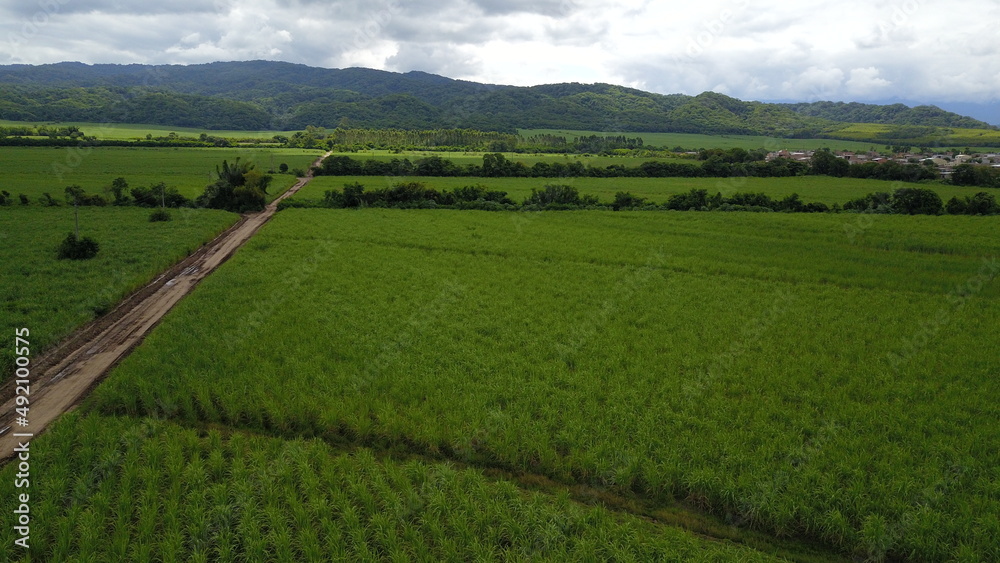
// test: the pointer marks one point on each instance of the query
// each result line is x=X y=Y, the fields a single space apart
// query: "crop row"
x=801 y=379
x=117 y=489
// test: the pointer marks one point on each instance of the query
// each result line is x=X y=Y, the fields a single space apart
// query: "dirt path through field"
x=64 y=375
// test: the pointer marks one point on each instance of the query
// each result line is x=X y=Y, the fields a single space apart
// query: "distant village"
x=944 y=162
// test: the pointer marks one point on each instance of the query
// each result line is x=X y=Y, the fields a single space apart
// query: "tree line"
x=553 y=197
x=716 y=165
x=239 y=187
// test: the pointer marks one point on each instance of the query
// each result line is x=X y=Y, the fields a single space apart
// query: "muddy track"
x=64 y=375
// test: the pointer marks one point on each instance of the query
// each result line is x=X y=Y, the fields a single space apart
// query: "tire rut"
x=64 y=375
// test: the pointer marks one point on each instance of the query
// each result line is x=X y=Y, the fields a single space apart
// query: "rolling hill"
x=257 y=95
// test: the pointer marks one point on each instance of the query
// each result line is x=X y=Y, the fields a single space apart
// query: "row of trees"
x=118 y=193
x=239 y=187
x=980 y=176
x=416 y=195
x=922 y=201
x=723 y=164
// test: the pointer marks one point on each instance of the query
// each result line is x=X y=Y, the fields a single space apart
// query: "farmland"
x=453 y=385
x=34 y=171
x=823 y=189
x=465 y=158
x=170 y=493
x=691 y=141
x=824 y=377
x=53 y=297
x=133 y=132
x=936 y=136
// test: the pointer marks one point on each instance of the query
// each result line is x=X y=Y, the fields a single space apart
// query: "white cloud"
x=845 y=49
x=865 y=82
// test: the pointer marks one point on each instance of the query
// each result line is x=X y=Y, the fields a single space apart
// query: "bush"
x=980 y=204
x=878 y=202
x=558 y=195
x=78 y=249
x=625 y=200
x=24 y=199
x=157 y=195
x=917 y=201
x=47 y=200
x=956 y=206
x=694 y=199
x=159 y=215
x=6 y=198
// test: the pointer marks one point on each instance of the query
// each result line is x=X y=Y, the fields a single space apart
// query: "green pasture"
x=33 y=171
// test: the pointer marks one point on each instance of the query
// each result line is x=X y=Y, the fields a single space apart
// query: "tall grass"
x=255 y=506
x=739 y=364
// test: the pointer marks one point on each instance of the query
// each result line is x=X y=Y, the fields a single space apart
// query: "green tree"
x=826 y=163
x=917 y=201
x=239 y=187
x=119 y=188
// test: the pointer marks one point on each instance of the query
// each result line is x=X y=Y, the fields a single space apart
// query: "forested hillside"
x=895 y=114
x=258 y=95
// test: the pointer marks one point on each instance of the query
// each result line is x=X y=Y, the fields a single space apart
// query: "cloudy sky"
x=911 y=50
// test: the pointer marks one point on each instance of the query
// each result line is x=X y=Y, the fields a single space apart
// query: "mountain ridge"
x=281 y=95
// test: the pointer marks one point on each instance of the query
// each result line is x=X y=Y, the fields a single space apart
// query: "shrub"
x=625 y=200
x=873 y=202
x=694 y=199
x=24 y=199
x=980 y=204
x=6 y=198
x=956 y=206
x=354 y=195
x=157 y=195
x=558 y=194
x=47 y=200
x=816 y=207
x=917 y=201
x=78 y=249
x=159 y=215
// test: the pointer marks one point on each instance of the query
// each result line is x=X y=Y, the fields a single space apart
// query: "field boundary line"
x=68 y=372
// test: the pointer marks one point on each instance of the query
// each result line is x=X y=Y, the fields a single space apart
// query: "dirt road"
x=64 y=375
